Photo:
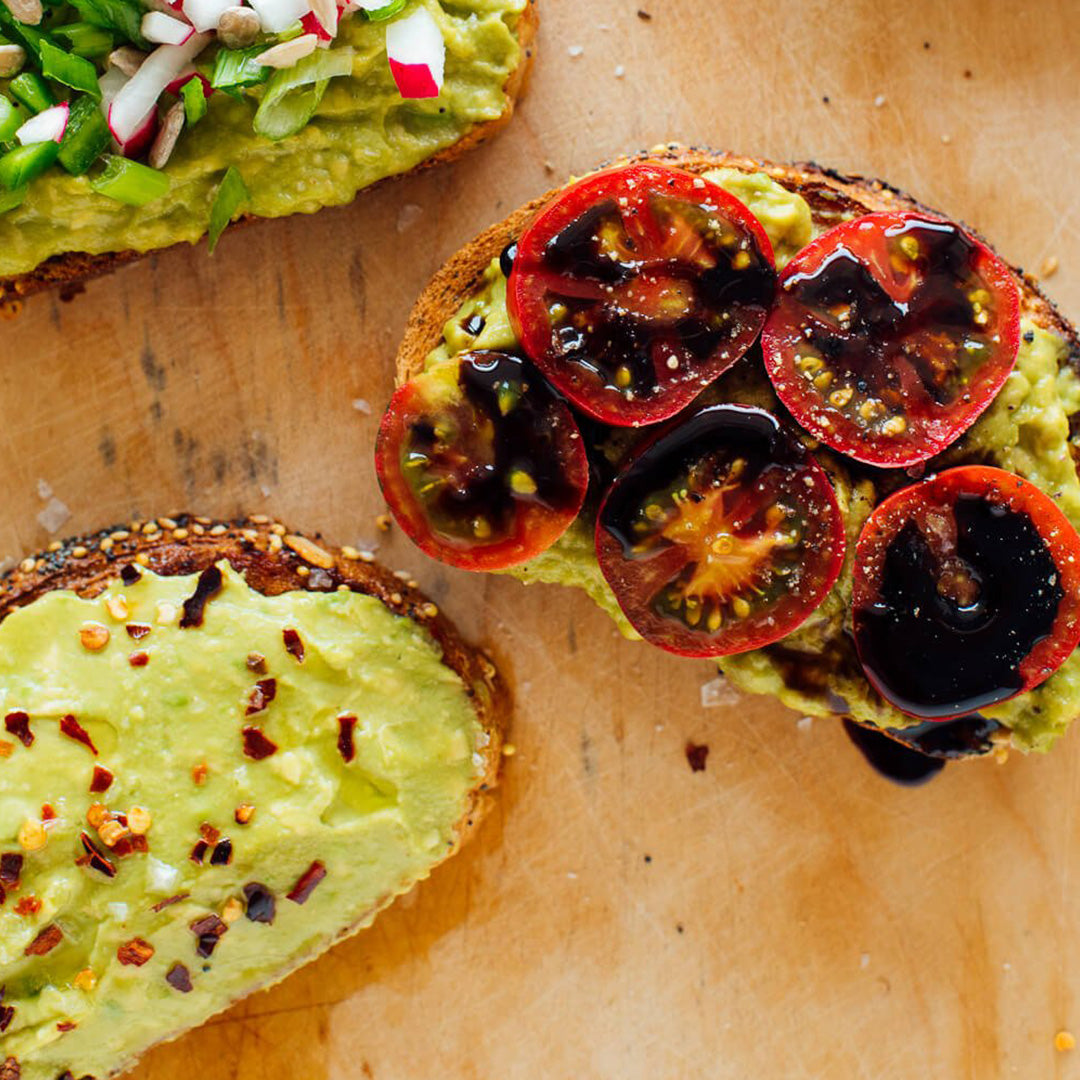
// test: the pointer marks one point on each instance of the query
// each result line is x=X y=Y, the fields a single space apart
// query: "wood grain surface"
x=784 y=913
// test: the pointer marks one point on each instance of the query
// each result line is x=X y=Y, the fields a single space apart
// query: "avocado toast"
x=1025 y=431
x=227 y=747
x=343 y=116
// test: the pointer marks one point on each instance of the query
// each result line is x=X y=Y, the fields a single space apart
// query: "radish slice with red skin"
x=143 y=137
x=185 y=77
x=111 y=83
x=206 y=14
x=47 y=126
x=139 y=96
x=278 y=15
x=164 y=29
x=417 y=55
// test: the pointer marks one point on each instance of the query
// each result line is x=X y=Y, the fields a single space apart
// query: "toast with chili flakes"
x=273 y=628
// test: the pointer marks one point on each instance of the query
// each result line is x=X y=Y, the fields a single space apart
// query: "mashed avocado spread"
x=362 y=132
x=186 y=863
x=815 y=670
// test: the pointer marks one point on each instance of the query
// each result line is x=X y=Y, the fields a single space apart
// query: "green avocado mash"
x=362 y=132
x=815 y=670
x=117 y=956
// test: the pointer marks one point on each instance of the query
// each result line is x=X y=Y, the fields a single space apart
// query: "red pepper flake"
x=71 y=727
x=18 y=724
x=140 y=845
x=209 y=833
x=47 y=812
x=293 y=645
x=10 y=1069
x=264 y=691
x=261 y=905
x=135 y=953
x=244 y=813
x=28 y=905
x=7 y=1014
x=95 y=858
x=161 y=905
x=257 y=745
x=199 y=774
x=11 y=864
x=208 y=586
x=130 y=574
x=208 y=930
x=139 y=659
x=346 y=742
x=306 y=883
x=46 y=941
x=198 y=852
x=696 y=756
x=256 y=663
x=101 y=781
x=6 y=748
x=66 y=1025
x=179 y=978
x=222 y=853
x=137 y=631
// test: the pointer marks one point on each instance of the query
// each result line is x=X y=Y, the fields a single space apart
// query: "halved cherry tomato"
x=481 y=462
x=721 y=535
x=891 y=334
x=966 y=593
x=637 y=287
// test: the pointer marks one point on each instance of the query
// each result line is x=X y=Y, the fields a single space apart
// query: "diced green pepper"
x=86 y=138
x=25 y=163
x=11 y=119
x=129 y=182
x=30 y=89
x=73 y=71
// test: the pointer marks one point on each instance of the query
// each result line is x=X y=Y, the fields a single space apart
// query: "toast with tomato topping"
x=474 y=314
x=225 y=747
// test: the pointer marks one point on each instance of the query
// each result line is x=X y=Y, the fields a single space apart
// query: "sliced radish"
x=164 y=29
x=326 y=15
x=206 y=14
x=139 y=95
x=111 y=83
x=417 y=55
x=185 y=77
x=142 y=139
x=278 y=15
x=47 y=126
x=289 y=52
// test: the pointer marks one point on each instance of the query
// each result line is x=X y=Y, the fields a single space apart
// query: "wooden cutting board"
x=784 y=914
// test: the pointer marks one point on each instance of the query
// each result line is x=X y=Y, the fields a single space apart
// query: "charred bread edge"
x=274 y=561
x=830 y=195
x=70 y=271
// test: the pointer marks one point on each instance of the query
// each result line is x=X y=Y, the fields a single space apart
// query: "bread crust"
x=830 y=195
x=69 y=272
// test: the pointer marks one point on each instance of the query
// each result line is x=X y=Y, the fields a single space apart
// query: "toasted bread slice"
x=274 y=563
x=70 y=271
x=831 y=195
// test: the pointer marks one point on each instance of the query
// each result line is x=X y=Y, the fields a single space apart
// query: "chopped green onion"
x=129 y=182
x=30 y=36
x=9 y=200
x=380 y=13
x=118 y=15
x=86 y=137
x=285 y=107
x=194 y=98
x=82 y=39
x=29 y=89
x=11 y=119
x=231 y=195
x=237 y=67
x=25 y=163
x=73 y=71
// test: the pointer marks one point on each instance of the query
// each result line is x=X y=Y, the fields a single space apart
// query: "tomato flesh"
x=890 y=335
x=481 y=462
x=721 y=535
x=966 y=592
x=637 y=288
